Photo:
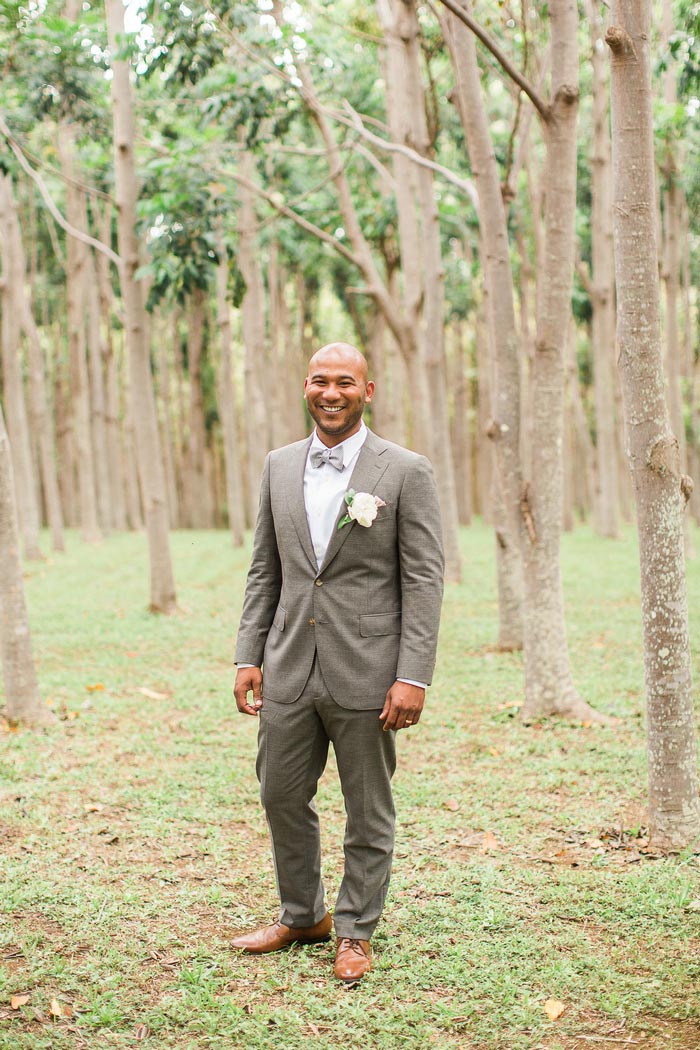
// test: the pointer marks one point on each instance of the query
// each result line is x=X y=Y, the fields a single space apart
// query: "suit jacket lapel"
x=295 y=499
x=371 y=464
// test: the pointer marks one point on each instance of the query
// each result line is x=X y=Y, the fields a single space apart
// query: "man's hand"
x=248 y=679
x=403 y=706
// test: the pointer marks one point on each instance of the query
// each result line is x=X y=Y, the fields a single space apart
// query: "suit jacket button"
x=312 y=621
x=319 y=583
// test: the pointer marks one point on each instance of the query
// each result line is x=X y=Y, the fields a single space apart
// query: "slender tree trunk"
x=549 y=688
x=23 y=703
x=503 y=426
x=113 y=463
x=419 y=235
x=96 y=356
x=162 y=583
x=198 y=491
x=258 y=437
x=660 y=487
x=11 y=298
x=602 y=289
x=76 y=313
x=40 y=418
x=461 y=424
x=227 y=403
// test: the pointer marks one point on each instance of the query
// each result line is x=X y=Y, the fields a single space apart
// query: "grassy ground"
x=133 y=846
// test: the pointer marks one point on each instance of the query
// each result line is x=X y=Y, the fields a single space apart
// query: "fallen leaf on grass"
x=98 y=687
x=93 y=807
x=140 y=1032
x=18 y=1000
x=509 y=704
x=58 y=1009
x=489 y=842
x=152 y=694
x=452 y=804
x=313 y=1028
x=554 y=1008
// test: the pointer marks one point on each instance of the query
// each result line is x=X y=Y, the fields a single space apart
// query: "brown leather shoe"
x=353 y=959
x=277 y=936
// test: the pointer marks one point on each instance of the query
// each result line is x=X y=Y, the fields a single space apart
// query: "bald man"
x=337 y=645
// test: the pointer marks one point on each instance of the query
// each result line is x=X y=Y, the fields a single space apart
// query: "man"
x=341 y=612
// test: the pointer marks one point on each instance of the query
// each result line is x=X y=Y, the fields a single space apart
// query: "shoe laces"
x=352 y=944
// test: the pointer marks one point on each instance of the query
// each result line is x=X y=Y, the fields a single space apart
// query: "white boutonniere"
x=362 y=508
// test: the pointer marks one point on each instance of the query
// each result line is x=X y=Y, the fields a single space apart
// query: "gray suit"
x=332 y=641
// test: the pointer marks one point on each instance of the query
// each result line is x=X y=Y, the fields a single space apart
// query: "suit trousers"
x=293 y=744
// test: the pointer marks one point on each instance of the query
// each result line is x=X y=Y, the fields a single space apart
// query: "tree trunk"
x=76 y=313
x=162 y=583
x=419 y=237
x=258 y=438
x=503 y=425
x=652 y=448
x=549 y=689
x=602 y=290
x=113 y=463
x=11 y=298
x=199 y=501
x=23 y=703
x=227 y=403
x=40 y=418
x=461 y=424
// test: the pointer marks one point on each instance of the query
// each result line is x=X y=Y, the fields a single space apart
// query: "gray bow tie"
x=334 y=456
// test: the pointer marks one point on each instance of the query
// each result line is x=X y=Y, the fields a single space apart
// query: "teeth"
x=327 y=408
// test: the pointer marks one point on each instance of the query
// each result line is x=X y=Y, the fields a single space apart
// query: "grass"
x=134 y=846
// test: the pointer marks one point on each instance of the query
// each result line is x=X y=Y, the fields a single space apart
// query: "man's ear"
x=369 y=390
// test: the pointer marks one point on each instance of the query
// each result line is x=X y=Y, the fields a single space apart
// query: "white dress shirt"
x=324 y=488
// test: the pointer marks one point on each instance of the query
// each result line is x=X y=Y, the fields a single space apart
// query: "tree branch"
x=283 y=209
x=63 y=223
x=542 y=107
x=355 y=121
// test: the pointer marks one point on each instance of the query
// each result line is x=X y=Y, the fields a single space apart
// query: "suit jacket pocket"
x=280 y=618
x=373 y=624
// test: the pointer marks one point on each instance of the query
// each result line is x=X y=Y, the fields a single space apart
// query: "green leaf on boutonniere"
x=344 y=521
x=349 y=497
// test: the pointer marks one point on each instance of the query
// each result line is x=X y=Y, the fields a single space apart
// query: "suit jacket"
x=372 y=610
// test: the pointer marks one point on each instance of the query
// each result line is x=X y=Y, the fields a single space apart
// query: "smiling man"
x=337 y=645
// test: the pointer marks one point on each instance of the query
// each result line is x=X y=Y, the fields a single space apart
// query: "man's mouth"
x=332 y=408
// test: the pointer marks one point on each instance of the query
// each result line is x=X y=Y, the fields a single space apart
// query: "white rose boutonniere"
x=362 y=508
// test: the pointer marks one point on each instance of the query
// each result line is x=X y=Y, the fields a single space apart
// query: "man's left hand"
x=403 y=706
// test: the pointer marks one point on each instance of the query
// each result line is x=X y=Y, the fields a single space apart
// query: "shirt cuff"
x=245 y=665
x=408 y=681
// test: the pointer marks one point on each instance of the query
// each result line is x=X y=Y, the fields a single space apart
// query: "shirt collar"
x=351 y=446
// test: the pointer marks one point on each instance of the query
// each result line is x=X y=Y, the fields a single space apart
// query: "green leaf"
x=349 y=497
x=344 y=521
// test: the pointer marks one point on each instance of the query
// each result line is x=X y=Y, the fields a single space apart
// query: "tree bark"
x=40 y=418
x=503 y=426
x=660 y=488
x=162 y=583
x=227 y=403
x=258 y=436
x=76 y=313
x=549 y=688
x=199 y=498
x=602 y=290
x=419 y=238
x=11 y=297
x=23 y=703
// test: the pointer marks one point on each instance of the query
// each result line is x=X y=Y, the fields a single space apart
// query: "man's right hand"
x=248 y=679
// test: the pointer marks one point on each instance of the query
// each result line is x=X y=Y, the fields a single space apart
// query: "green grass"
x=133 y=845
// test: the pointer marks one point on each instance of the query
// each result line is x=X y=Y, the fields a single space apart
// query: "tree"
x=143 y=405
x=23 y=703
x=660 y=488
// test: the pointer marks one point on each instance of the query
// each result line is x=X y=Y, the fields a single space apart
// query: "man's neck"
x=332 y=440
